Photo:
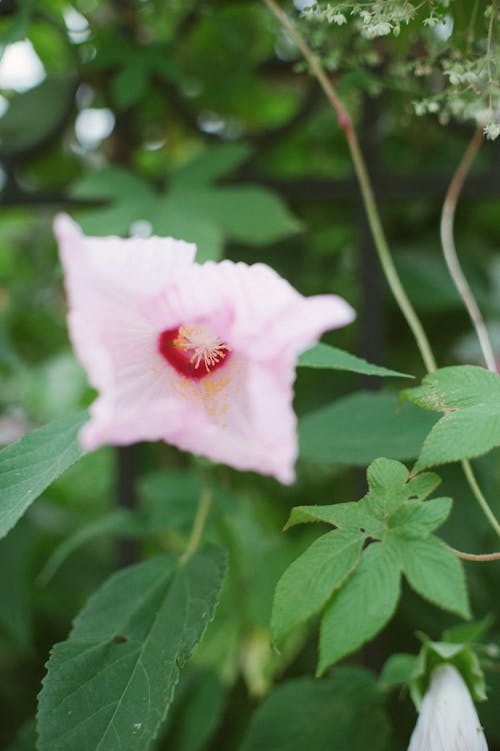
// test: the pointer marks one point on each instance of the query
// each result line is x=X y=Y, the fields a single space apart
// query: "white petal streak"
x=448 y=720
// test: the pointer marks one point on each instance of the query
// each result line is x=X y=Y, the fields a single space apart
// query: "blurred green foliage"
x=188 y=119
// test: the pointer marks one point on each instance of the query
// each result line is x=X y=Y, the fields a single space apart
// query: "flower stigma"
x=194 y=350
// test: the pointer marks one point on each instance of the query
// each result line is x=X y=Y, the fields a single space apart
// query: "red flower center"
x=193 y=351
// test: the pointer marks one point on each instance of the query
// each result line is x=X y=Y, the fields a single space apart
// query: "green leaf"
x=415 y=519
x=16 y=600
x=197 y=711
x=128 y=197
x=26 y=738
x=215 y=162
x=470 y=398
x=362 y=607
x=119 y=522
x=352 y=516
x=427 y=280
x=468 y=633
x=172 y=219
x=397 y=670
x=461 y=656
x=31 y=464
x=109 y=686
x=193 y=208
x=309 y=582
x=325 y=356
x=422 y=485
x=357 y=429
x=388 y=485
x=434 y=572
x=245 y=213
x=343 y=712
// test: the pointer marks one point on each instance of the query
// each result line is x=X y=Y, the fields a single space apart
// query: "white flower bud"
x=448 y=718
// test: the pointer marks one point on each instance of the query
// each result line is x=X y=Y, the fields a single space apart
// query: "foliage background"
x=213 y=137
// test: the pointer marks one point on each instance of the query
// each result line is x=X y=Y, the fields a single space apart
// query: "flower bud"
x=448 y=718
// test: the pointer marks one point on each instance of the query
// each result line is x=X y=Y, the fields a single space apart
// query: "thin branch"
x=201 y=517
x=479 y=496
x=450 y=252
x=370 y=204
x=481 y=558
x=376 y=225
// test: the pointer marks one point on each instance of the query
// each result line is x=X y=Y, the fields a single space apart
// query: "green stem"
x=370 y=204
x=374 y=220
x=489 y=44
x=450 y=252
x=202 y=512
x=479 y=496
x=490 y=27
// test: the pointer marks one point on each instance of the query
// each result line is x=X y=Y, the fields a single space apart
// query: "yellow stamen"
x=206 y=346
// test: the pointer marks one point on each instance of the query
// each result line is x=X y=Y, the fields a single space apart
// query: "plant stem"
x=374 y=220
x=479 y=496
x=370 y=204
x=200 y=519
x=450 y=253
x=490 y=27
x=465 y=292
x=481 y=558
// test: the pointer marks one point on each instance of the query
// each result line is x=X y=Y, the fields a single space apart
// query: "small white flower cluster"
x=451 y=82
x=376 y=19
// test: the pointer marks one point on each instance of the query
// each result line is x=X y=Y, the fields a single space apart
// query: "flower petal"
x=448 y=718
x=104 y=278
x=124 y=295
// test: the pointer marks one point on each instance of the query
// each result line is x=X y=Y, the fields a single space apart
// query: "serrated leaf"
x=390 y=488
x=350 y=516
x=388 y=485
x=30 y=465
x=470 y=398
x=423 y=485
x=309 y=582
x=357 y=429
x=416 y=519
x=362 y=607
x=325 y=356
x=343 y=712
x=435 y=573
x=108 y=687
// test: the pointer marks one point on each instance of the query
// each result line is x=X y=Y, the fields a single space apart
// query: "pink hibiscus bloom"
x=198 y=355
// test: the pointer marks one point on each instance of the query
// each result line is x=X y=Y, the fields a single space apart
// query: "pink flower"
x=198 y=355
